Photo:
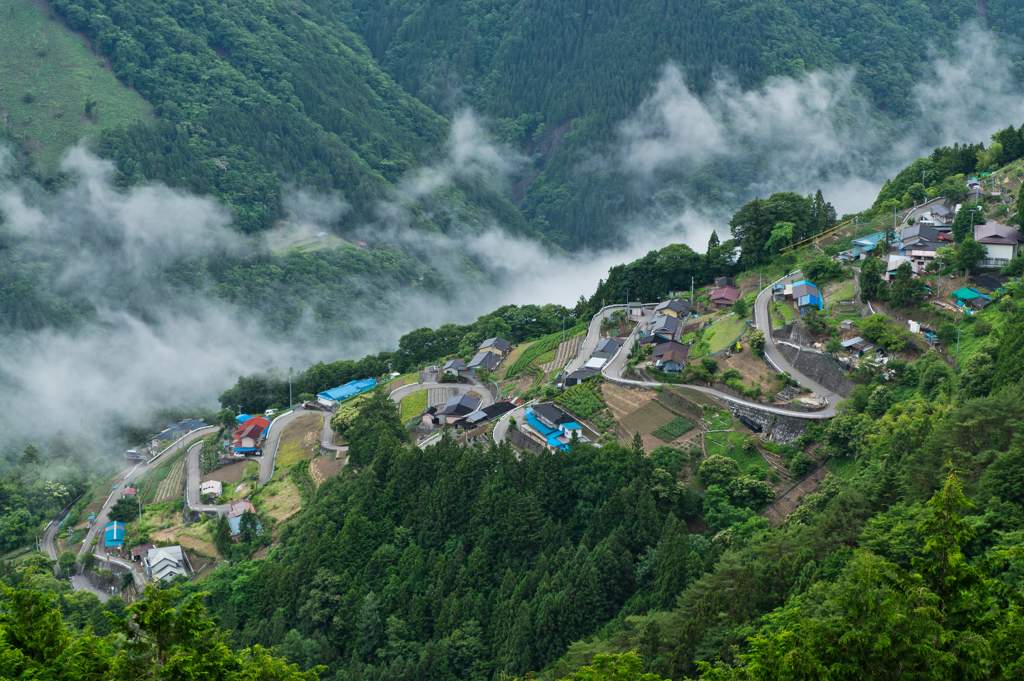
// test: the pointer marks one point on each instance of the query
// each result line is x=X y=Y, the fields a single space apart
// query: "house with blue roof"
x=862 y=247
x=335 y=396
x=554 y=426
x=113 y=534
x=807 y=296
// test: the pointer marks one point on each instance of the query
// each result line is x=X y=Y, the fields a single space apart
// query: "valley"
x=505 y=341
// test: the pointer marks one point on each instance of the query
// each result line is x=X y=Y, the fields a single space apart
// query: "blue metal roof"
x=242 y=418
x=350 y=389
x=114 y=534
x=870 y=240
x=809 y=300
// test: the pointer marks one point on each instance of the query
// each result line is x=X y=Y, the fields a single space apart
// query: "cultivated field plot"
x=323 y=467
x=623 y=401
x=230 y=475
x=170 y=486
x=298 y=439
x=565 y=352
x=647 y=419
x=673 y=429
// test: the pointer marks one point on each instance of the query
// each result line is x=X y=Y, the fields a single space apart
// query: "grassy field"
x=720 y=421
x=722 y=333
x=48 y=74
x=413 y=404
x=280 y=499
x=751 y=463
x=846 y=291
x=297 y=439
x=288 y=237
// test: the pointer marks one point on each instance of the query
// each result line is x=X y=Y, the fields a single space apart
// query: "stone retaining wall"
x=778 y=428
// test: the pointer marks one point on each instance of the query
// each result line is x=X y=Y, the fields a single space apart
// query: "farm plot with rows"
x=647 y=419
x=170 y=486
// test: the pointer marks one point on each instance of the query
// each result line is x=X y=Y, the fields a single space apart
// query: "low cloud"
x=151 y=346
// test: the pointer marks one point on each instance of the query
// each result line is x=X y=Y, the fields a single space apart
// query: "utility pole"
x=691 y=290
x=856 y=225
x=290 y=370
x=627 y=303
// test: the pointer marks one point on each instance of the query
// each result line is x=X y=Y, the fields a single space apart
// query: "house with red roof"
x=724 y=296
x=250 y=436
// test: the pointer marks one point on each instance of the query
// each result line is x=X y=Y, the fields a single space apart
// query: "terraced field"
x=170 y=486
x=565 y=352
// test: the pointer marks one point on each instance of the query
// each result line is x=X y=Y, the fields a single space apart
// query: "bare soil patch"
x=232 y=474
x=323 y=467
x=753 y=369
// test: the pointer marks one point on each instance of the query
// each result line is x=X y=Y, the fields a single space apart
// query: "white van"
x=270 y=412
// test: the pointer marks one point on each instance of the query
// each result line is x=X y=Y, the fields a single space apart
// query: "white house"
x=165 y=563
x=1002 y=242
x=213 y=487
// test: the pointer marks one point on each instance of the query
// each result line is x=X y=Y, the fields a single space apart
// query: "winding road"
x=99 y=523
x=617 y=363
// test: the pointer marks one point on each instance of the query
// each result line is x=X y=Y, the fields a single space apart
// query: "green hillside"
x=541 y=68
x=47 y=76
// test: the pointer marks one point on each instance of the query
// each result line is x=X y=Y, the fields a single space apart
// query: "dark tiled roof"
x=497 y=343
x=487 y=360
x=460 y=404
x=662 y=348
x=550 y=412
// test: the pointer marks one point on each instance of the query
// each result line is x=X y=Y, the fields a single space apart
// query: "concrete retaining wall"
x=818 y=367
x=524 y=442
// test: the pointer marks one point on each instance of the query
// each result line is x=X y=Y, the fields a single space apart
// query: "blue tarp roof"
x=350 y=389
x=246 y=449
x=242 y=418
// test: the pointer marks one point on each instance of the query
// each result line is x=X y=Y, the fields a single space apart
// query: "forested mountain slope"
x=535 y=67
x=349 y=96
